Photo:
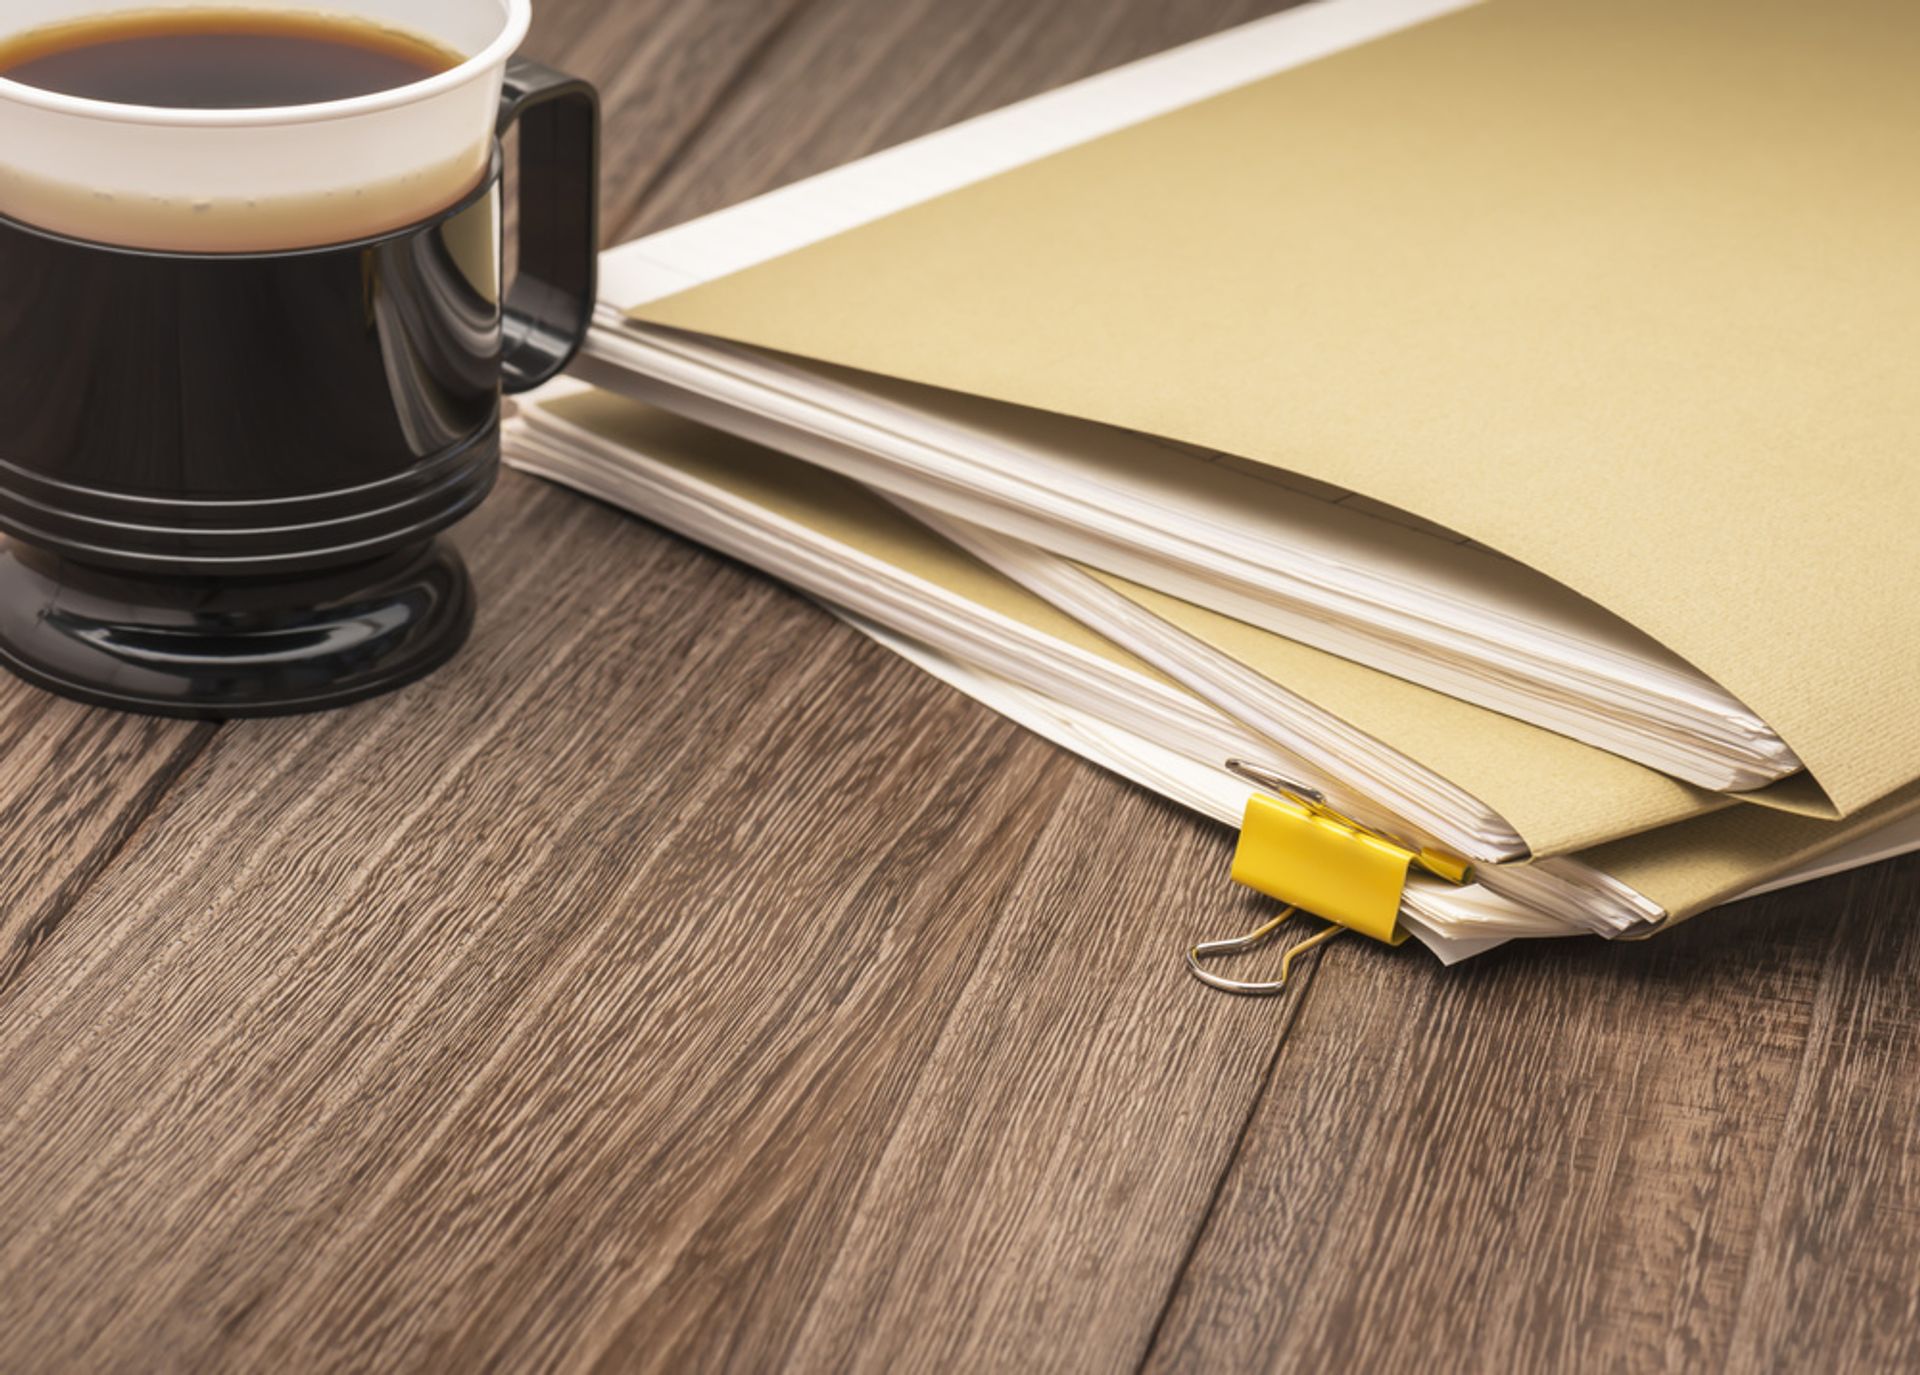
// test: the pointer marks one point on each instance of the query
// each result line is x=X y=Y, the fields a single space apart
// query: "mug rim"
x=513 y=32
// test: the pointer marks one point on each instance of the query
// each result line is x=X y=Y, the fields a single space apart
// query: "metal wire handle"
x=1254 y=940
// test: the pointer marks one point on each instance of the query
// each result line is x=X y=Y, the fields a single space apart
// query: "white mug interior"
x=257 y=180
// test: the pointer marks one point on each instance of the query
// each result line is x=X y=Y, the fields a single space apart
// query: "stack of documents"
x=1489 y=426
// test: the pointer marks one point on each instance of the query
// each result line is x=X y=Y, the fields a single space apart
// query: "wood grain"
x=496 y=980
x=74 y=784
x=1694 y=1153
x=680 y=982
x=663 y=68
x=850 y=77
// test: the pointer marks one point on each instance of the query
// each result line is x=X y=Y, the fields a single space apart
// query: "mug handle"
x=551 y=303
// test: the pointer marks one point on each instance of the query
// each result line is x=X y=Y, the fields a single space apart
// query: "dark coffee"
x=218 y=59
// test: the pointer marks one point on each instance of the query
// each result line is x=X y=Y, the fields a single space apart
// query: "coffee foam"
x=225 y=223
x=235 y=181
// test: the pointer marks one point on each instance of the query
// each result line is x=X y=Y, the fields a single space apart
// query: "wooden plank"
x=74 y=784
x=662 y=67
x=850 y=77
x=1697 y=1152
x=655 y=985
x=1830 y=1283
x=503 y=980
x=1049 y=1174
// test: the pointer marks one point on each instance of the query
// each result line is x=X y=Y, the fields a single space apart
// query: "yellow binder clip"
x=1296 y=848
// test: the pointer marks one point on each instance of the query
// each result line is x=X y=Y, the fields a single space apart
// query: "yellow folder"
x=1625 y=290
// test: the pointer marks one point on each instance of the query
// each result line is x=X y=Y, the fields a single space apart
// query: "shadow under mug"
x=222 y=475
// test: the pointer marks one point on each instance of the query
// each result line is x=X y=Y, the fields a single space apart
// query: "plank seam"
x=1204 y=1223
x=749 y=66
x=94 y=866
x=1059 y=769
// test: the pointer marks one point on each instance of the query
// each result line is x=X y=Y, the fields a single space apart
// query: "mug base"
x=228 y=648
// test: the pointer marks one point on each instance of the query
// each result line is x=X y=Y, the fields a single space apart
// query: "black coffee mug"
x=222 y=473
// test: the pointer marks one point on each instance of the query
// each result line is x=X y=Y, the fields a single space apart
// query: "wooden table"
x=681 y=982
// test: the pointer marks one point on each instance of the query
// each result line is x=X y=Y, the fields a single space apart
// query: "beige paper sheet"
x=1627 y=290
x=1558 y=794
x=840 y=509
x=1702 y=863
